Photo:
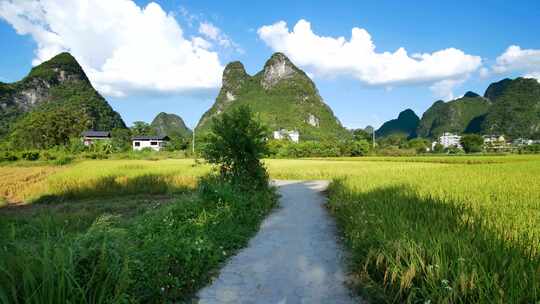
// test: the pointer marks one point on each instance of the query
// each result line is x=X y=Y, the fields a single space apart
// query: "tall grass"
x=444 y=234
x=159 y=254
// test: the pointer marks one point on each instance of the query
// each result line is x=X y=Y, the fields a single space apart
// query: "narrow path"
x=294 y=258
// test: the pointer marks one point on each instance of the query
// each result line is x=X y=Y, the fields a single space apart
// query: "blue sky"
x=362 y=88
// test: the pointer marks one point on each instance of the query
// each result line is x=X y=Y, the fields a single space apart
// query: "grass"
x=431 y=229
x=130 y=249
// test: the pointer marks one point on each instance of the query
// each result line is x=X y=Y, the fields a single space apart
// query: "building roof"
x=150 y=137
x=96 y=134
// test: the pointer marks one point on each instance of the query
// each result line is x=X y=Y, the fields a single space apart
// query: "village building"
x=156 y=143
x=293 y=136
x=494 y=139
x=90 y=137
x=448 y=140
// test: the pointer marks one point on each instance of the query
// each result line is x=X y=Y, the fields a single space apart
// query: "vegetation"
x=237 y=144
x=147 y=252
x=472 y=143
x=171 y=125
x=287 y=104
x=454 y=116
x=516 y=110
x=406 y=124
x=60 y=88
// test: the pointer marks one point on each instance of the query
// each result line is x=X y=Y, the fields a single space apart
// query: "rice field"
x=440 y=229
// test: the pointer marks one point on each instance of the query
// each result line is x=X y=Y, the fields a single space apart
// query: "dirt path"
x=294 y=258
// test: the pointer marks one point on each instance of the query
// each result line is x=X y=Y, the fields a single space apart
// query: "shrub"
x=472 y=143
x=30 y=155
x=237 y=144
x=8 y=156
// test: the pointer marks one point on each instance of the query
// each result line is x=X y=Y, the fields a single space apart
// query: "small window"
x=153 y=143
x=137 y=144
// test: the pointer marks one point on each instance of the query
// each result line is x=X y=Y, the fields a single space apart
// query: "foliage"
x=237 y=144
x=61 y=86
x=286 y=105
x=142 y=128
x=121 y=140
x=472 y=143
x=454 y=116
x=405 y=124
x=516 y=110
x=421 y=145
x=48 y=128
x=126 y=251
x=171 y=125
x=438 y=148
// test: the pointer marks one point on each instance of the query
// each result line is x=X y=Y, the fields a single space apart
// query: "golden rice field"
x=420 y=229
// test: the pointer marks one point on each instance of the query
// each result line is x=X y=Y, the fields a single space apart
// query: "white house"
x=153 y=142
x=450 y=140
x=294 y=136
x=494 y=139
x=89 y=137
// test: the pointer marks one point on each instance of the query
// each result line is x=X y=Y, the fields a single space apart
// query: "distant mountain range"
x=510 y=107
x=282 y=96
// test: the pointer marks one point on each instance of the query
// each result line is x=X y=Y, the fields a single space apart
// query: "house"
x=450 y=140
x=494 y=139
x=89 y=137
x=153 y=142
x=524 y=142
x=294 y=136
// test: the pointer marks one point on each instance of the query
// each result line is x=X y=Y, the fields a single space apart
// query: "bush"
x=237 y=144
x=472 y=143
x=30 y=155
x=63 y=160
x=8 y=156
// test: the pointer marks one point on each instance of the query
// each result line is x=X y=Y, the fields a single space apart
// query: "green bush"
x=237 y=144
x=8 y=156
x=30 y=155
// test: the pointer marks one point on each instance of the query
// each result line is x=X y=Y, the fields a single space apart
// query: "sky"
x=369 y=59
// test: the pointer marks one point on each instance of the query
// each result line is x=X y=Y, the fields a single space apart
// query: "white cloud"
x=357 y=57
x=444 y=89
x=213 y=33
x=516 y=59
x=122 y=47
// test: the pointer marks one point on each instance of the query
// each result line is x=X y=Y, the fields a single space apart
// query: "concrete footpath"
x=294 y=258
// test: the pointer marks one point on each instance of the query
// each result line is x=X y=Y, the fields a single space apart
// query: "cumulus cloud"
x=122 y=47
x=516 y=59
x=357 y=57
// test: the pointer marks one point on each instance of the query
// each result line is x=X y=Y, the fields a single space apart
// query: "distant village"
x=492 y=143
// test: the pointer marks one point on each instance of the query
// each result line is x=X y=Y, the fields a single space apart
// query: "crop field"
x=419 y=229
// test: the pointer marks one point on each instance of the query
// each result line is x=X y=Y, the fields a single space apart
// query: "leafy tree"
x=472 y=143
x=419 y=144
x=438 y=148
x=361 y=134
x=121 y=139
x=177 y=143
x=237 y=143
x=359 y=148
x=48 y=128
x=142 y=128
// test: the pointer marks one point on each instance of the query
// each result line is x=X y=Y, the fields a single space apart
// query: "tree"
x=237 y=144
x=142 y=128
x=472 y=143
x=360 y=148
x=121 y=139
x=45 y=129
x=438 y=148
x=419 y=144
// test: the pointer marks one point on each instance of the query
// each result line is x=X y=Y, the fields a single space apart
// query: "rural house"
x=89 y=137
x=294 y=136
x=153 y=142
x=450 y=140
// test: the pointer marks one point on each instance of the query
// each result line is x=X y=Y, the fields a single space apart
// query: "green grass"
x=444 y=229
x=132 y=249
